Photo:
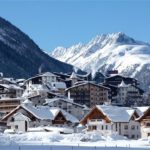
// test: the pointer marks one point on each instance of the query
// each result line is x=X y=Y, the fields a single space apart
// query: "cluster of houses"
x=55 y=100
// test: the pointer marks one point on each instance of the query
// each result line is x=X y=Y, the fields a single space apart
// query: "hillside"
x=20 y=57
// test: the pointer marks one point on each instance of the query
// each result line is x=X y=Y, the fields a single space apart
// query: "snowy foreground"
x=78 y=141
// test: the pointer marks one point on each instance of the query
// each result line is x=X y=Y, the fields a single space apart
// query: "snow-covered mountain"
x=108 y=52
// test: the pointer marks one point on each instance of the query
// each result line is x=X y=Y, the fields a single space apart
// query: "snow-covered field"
x=77 y=141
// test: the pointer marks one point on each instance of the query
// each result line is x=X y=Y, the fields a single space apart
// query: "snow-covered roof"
x=122 y=84
x=141 y=110
x=11 y=80
x=115 y=113
x=20 y=80
x=73 y=76
x=88 y=82
x=59 y=85
x=19 y=116
x=69 y=117
x=48 y=101
x=11 y=86
x=41 y=112
x=27 y=101
x=11 y=99
x=45 y=112
x=42 y=75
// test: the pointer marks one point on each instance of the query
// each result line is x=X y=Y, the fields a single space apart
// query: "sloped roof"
x=45 y=112
x=144 y=114
x=73 y=76
x=11 y=86
x=141 y=110
x=122 y=84
x=21 y=116
x=41 y=75
x=115 y=113
x=59 y=84
x=88 y=82
x=48 y=101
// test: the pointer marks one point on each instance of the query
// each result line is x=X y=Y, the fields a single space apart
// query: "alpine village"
x=111 y=104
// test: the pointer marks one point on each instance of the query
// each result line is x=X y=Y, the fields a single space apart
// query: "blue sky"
x=52 y=23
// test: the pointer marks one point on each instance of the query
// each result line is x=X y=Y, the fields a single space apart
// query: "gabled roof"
x=20 y=116
x=88 y=82
x=41 y=75
x=122 y=84
x=117 y=114
x=112 y=113
x=11 y=86
x=141 y=110
x=144 y=114
x=12 y=99
x=43 y=112
x=48 y=101
x=73 y=76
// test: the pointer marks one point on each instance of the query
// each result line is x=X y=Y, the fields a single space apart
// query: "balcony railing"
x=96 y=121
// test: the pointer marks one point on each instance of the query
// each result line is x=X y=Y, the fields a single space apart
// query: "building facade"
x=113 y=119
x=88 y=94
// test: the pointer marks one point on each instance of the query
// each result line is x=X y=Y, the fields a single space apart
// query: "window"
x=94 y=127
x=126 y=127
x=126 y=135
x=106 y=127
x=102 y=127
x=133 y=136
x=16 y=126
x=148 y=124
x=132 y=127
x=12 y=119
x=89 y=127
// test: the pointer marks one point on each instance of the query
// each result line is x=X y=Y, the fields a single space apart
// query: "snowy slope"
x=110 y=51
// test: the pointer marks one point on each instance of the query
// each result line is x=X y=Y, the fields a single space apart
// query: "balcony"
x=96 y=122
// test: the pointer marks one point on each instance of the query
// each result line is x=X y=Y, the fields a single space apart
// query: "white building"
x=128 y=94
x=26 y=115
x=144 y=120
x=108 y=119
x=42 y=83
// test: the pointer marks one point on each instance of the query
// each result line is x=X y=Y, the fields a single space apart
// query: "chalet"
x=72 y=78
x=129 y=95
x=109 y=119
x=10 y=91
x=117 y=79
x=43 y=78
x=88 y=93
x=145 y=123
x=44 y=82
x=68 y=105
x=26 y=115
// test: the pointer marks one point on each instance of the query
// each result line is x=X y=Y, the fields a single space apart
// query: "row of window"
x=105 y=127
x=133 y=127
